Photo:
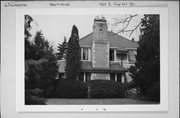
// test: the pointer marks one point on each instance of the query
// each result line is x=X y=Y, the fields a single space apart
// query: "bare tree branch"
x=130 y=30
x=127 y=19
x=125 y=23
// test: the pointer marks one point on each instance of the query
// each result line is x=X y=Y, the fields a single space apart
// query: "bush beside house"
x=71 y=88
x=106 y=89
x=68 y=88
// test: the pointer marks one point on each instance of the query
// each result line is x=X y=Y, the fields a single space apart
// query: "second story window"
x=84 y=53
x=122 y=56
x=132 y=55
x=111 y=55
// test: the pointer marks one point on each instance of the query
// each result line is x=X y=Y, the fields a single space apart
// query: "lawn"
x=118 y=101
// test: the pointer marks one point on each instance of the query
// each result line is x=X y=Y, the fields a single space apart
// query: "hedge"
x=154 y=92
x=33 y=97
x=106 y=89
x=71 y=88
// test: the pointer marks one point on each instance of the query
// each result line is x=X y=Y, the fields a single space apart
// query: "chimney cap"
x=97 y=18
x=102 y=19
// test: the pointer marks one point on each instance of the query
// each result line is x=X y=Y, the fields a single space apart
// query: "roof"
x=86 y=66
x=115 y=40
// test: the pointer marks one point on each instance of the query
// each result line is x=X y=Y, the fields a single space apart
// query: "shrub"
x=71 y=88
x=50 y=89
x=37 y=92
x=106 y=89
x=32 y=97
x=154 y=92
x=50 y=92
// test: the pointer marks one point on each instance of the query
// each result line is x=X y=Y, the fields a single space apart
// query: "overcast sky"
x=55 y=27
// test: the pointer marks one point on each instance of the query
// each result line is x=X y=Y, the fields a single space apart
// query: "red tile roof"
x=115 y=40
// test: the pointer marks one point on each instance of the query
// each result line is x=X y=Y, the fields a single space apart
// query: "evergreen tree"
x=42 y=66
x=27 y=26
x=27 y=35
x=62 y=50
x=147 y=68
x=40 y=62
x=73 y=55
x=41 y=46
x=32 y=68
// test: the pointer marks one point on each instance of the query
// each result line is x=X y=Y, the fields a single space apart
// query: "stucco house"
x=104 y=55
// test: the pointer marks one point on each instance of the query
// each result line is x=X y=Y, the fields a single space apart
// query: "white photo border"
x=20 y=88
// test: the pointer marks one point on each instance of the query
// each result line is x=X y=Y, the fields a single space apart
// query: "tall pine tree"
x=73 y=55
x=62 y=50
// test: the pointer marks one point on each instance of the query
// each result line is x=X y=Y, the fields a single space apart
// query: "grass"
x=115 y=101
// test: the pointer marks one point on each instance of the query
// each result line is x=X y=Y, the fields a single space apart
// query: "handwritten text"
x=59 y=4
x=15 y=5
x=116 y=4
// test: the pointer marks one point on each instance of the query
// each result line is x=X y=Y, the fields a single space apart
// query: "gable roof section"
x=115 y=40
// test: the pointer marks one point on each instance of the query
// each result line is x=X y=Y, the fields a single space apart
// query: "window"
x=62 y=76
x=112 y=76
x=119 y=78
x=111 y=56
x=122 y=56
x=132 y=57
x=85 y=54
x=84 y=77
